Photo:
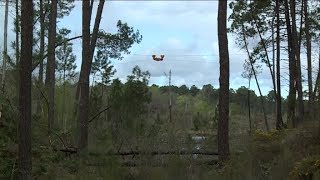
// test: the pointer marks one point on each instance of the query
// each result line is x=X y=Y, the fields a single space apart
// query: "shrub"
x=305 y=168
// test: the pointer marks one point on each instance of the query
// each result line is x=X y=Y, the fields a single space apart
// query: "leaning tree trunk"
x=297 y=60
x=88 y=46
x=223 y=123
x=264 y=46
x=268 y=60
x=292 y=69
x=24 y=129
x=50 y=75
x=308 y=38
x=256 y=79
x=279 y=122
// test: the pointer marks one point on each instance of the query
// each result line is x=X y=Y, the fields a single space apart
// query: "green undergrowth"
x=289 y=154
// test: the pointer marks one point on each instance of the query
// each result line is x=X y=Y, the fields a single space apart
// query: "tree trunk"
x=5 y=45
x=170 y=105
x=297 y=60
x=249 y=106
x=41 y=54
x=292 y=69
x=64 y=120
x=267 y=56
x=279 y=122
x=256 y=79
x=41 y=50
x=268 y=61
x=5 y=51
x=24 y=129
x=274 y=61
x=83 y=84
x=223 y=123
x=88 y=47
x=316 y=86
x=17 y=33
x=308 y=38
x=50 y=74
x=94 y=36
x=316 y=90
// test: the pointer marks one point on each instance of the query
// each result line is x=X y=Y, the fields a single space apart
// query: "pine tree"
x=223 y=123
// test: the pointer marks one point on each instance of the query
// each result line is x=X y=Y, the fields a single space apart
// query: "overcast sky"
x=184 y=31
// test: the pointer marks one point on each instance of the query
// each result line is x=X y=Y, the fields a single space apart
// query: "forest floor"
x=287 y=154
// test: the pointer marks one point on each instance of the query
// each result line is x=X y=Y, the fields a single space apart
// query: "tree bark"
x=292 y=69
x=24 y=129
x=5 y=45
x=315 y=91
x=309 y=61
x=83 y=84
x=64 y=120
x=249 y=106
x=295 y=46
x=41 y=50
x=17 y=33
x=50 y=74
x=95 y=31
x=223 y=123
x=5 y=51
x=41 y=53
x=88 y=47
x=279 y=122
x=274 y=60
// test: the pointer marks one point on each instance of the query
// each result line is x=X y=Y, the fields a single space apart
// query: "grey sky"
x=184 y=31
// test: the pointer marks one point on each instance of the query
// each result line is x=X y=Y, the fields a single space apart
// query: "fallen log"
x=152 y=163
x=140 y=152
x=133 y=164
x=153 y=153
x=69 y=150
